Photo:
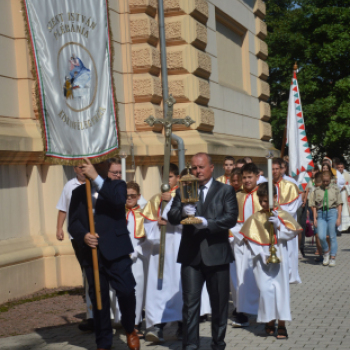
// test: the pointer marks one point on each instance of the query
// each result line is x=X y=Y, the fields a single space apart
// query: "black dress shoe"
x=87 y=325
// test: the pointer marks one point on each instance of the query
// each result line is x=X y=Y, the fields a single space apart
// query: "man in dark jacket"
x=205 y=252
x=113 y=245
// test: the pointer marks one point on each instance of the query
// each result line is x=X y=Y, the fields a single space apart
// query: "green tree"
x=316 y=35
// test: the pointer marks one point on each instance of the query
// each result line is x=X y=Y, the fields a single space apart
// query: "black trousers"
x=118 y=274
x=76 y=248
x=217 y=279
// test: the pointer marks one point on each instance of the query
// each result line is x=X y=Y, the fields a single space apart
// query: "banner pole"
x=93 y=250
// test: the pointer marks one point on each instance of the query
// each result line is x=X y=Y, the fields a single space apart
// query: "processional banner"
x=300 y=158
x=72 y=58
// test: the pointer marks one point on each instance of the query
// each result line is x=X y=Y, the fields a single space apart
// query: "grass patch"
x=9 y=305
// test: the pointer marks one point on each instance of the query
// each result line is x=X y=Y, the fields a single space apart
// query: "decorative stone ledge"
x=203 y=116
x=144 y=29
x=142 y=111
x=184 y=29
x=147 y=88
x=265 y=111
x=260 y=9
x=188 y=88
x=265 y=131
x=187 y=59
x=143 y=6
x=263 y=90
x=196 y=8
x=261 y=28
x=261 y=49
x=145 y=59
x=263 y=70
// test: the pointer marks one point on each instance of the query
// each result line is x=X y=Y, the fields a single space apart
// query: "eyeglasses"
x=133 y=196
x=116 y=173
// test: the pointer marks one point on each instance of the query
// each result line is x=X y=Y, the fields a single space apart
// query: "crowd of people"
x=225 y=256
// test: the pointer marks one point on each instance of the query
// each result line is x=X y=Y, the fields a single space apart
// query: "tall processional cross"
x=168 y=123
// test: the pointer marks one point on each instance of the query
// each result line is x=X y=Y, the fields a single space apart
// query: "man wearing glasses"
x=113 y=245
x=115 y=169
x=115 y=173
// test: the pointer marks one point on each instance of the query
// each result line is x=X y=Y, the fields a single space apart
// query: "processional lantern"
x=189 y=195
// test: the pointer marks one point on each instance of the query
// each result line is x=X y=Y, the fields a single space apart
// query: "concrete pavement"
x=320 y=309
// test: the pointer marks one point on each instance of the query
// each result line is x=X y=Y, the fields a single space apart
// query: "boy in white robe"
x=289 y=199
x=272 y=279
x=229 y=165
x=241 y=272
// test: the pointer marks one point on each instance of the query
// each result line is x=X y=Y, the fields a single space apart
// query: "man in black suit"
x=205 y=252
x=113 y=246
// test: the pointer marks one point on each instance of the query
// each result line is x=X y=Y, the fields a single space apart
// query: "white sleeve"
x=291 y=208
x=340 y=180
x=167 y=209
x=285 y=233
x=257 y=249
x=62 y=202
x=236 y=232
x=152 y=231
x=98 y=182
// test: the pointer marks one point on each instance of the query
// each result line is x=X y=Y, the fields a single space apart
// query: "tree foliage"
x=316 y=35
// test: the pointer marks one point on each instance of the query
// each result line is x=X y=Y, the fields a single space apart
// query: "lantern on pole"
x=189 y=194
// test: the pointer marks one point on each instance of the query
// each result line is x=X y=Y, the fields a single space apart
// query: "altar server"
x=162 y=305
x=247 y=294
x=272 y=279
x=236 y=179
x=229 y=165
x=289 y=199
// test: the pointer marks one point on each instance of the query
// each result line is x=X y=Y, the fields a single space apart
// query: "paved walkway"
x=320 y=309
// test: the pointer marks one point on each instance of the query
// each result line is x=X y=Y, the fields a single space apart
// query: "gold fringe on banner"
x=36 y=97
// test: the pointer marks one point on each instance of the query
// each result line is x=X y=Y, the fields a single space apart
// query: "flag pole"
x=93 y=250
x=283 y=147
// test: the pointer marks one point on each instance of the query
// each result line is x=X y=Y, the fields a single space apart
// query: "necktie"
x=201 y=194
x=201 y=200
x=325 y=200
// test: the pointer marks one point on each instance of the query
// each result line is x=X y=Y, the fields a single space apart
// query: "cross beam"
x=168 y=122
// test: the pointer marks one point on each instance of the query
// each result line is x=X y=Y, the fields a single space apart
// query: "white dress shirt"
x=206 y=189
x=64 y=201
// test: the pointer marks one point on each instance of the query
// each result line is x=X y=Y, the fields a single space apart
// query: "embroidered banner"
x=71 y=47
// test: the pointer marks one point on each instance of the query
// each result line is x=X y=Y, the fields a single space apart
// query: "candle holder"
x=189 y=194
x=272 y=259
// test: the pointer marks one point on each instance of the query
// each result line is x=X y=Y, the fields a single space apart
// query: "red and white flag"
x=300 y=159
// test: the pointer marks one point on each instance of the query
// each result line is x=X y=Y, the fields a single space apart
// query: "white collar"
x=208 y=184
x=76 y=181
